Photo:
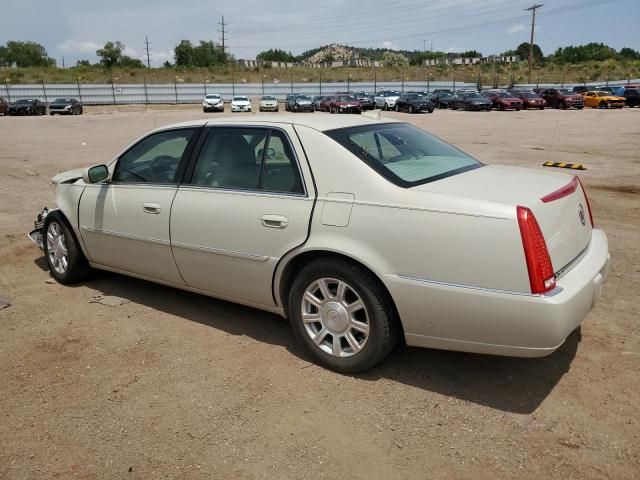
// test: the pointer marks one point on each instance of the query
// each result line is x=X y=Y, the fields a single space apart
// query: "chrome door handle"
x=274 y=221
x=152 y=208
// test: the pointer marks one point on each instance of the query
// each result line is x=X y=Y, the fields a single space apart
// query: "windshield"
x=391 y=94
x=471 y=95
x=303 y=97
x=24 y=102
x=414 y=97
x=213 y=96
x=602 y=94
x=402 y=153
x=241 y=99
x=565 y=91
x=503 y=95
x=346 y=98
x=528 y=95
x=268 y=97
x=62 y=100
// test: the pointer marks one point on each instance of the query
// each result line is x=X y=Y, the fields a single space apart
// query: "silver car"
x=268 y=103
x=362 y=232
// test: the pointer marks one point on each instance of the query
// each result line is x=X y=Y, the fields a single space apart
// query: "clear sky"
x=76 y=28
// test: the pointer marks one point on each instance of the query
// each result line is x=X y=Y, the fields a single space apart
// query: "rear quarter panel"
x=402 y=232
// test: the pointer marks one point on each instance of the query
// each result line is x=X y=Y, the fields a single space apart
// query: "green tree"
x=523 y=52
x=392 y=59
x=183 y=53
x=25 y=54
x=629 y=54
x=207 y=54
x=111 y=54
x=4 y=56
x=275 y=55
x=83 y=63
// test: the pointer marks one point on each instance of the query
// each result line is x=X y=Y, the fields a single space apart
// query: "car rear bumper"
x=472 y=319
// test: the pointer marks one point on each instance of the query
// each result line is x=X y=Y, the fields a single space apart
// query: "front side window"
x=247 y=159
x=155 y=159
x=403 y=154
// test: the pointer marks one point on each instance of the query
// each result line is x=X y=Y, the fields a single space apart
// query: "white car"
x=269 y=103
x=362 y=232
x=240 y=104
x=386 y=99
x=212 y=103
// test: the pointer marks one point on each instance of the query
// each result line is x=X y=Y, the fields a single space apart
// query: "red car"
x=325 y=104
x=529 y=99
x=4 y=106
x=345 y=104
x=562 y=98
x=503 y=100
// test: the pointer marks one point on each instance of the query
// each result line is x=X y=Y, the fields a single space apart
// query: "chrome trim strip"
x=127 y=236
x=569 y=266
x=551 y=293
x=217 y=251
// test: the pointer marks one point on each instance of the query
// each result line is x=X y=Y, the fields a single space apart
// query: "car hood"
x=69 y=176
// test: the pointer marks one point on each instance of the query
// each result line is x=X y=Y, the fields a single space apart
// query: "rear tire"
x=64 y=257
x=356 y=326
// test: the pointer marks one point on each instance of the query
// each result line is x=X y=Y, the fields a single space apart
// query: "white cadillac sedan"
x=362 y=232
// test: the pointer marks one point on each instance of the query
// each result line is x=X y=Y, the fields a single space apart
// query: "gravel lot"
x=176 y=385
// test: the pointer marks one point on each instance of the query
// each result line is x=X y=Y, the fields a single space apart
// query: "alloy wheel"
x=335 y=317
x=57 y=248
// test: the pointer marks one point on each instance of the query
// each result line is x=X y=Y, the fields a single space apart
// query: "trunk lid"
x=560 y=219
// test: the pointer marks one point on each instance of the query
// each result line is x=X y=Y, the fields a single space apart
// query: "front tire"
x=342 y=315
x=65 y=259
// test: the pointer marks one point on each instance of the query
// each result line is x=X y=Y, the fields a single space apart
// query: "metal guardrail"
x=125 y=94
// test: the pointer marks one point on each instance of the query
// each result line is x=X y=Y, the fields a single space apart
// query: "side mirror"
x=95 y=174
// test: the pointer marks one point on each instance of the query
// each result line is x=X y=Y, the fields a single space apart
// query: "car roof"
x=316 y=121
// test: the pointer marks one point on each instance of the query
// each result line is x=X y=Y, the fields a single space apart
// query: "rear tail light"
x=541 y=276
x=588 y=204
x=568 y=189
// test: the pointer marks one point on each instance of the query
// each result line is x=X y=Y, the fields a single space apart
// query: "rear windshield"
x=402 y=153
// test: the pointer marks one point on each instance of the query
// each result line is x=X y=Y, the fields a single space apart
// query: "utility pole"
x=532 y=9
x=223 y=36
x=63 y=61
x=146 y=43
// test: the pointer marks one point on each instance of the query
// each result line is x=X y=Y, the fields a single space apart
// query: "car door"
x=124 y=223
x=244 y=204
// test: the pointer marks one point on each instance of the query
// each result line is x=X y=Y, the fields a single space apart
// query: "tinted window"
x=403 y=154
x=247 y=159
x=154 y=159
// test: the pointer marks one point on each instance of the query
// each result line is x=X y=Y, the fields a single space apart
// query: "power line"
x=146 y=43
x=532 y=9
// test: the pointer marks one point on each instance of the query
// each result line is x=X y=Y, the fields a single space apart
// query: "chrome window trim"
x=246 y=192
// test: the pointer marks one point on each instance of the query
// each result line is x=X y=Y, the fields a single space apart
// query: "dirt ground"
x=177 y=385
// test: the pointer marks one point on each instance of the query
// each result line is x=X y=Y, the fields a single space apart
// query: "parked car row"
x=33 y=106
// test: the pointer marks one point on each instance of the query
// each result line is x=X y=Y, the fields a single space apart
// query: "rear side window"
x=403 y=154
x=248 y=159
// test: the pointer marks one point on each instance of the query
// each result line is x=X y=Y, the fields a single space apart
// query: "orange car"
x=602 y=99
